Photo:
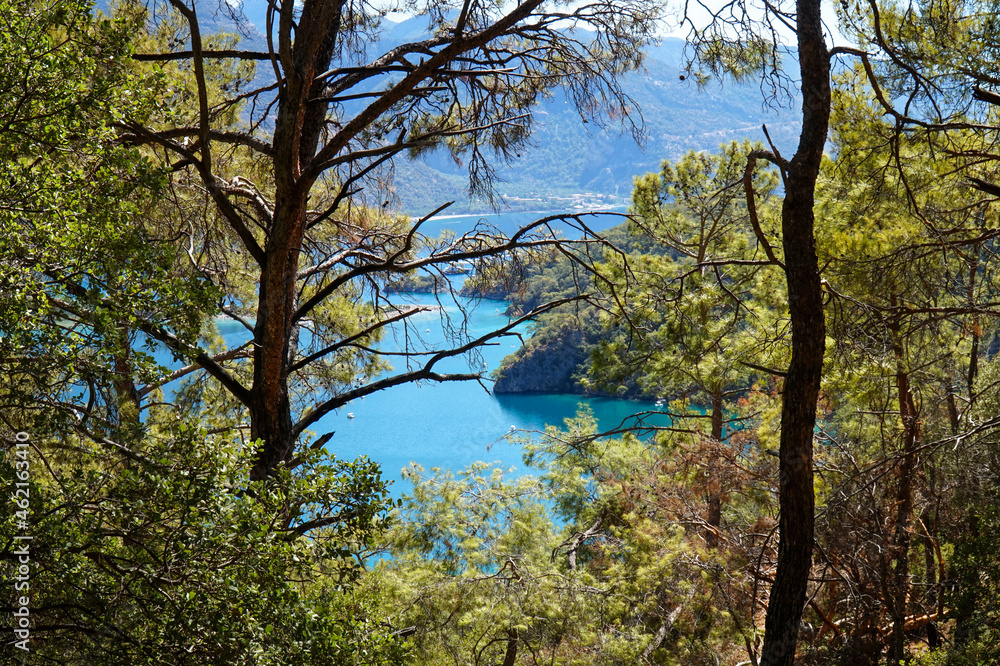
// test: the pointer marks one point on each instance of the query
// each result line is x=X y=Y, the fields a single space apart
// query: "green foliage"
x=151 y=545
x=149 y=542
x=482 y=570
x=903 y=388
x=973 y=535
x=685 y=274
x=81 y=272
x=907 y=400
x=470 y=565
x=468 y=523
x=574 y=330
x=684 y=302
x=169 y=554
x=976 y=565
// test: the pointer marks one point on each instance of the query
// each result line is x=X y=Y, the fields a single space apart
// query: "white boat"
x=350 y=415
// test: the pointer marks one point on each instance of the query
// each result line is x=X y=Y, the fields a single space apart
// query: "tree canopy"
x=819 y=328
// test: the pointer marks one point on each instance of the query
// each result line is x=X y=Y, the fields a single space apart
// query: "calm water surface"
x=451 y=424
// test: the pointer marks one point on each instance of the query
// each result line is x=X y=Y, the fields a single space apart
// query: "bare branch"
x=190 y=55
x=238 y=352
x=425 y=372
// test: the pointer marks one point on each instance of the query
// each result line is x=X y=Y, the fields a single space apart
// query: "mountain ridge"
x=567 y=158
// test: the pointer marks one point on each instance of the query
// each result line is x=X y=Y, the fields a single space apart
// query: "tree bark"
x=714 y=500
x=801 y=390
x=899 y=547
x=298 y=126
x=510 y=655
x=298 y=159
x=974 y=347
x=304 y=40
x=930 y=576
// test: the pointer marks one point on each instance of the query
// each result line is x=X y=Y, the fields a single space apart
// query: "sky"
x=699 y=12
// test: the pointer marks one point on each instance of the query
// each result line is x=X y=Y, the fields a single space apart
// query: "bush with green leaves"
x=164 y=552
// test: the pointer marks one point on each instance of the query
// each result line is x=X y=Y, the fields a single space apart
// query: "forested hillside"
x=819 y=316
x=567 y=157
x=557 y=356
x=669 y=114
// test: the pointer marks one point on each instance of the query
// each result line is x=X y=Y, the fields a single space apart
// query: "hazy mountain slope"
x=567 y=156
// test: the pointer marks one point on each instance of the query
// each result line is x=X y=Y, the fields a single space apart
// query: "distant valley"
x=571 y=164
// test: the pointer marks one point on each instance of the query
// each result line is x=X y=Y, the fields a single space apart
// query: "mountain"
x=569 y=157
x=568 y=162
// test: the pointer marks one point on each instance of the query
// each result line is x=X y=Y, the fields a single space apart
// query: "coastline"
x=612 y=210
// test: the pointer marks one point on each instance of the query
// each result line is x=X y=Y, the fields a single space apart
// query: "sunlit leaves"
x=175 y=552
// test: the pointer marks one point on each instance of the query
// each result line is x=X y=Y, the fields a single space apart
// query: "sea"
x=450 y=425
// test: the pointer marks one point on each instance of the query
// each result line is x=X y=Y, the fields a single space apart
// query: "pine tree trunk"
x=899 y=547
x=714 y=500
x=297 y=130
x=270 y=408
x=801 y=390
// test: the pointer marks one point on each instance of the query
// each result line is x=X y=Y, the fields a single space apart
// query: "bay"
x=454 y=424
x=508 y=223
x=451 y=425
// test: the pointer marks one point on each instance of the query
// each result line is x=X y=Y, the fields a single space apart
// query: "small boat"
x=460 y=268
x=350 y=415
x=513 y=428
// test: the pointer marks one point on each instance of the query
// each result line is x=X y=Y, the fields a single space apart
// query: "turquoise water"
x=508 y=223
x=452 y=424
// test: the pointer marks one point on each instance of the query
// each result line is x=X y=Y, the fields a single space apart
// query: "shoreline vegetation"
x=576 y=209
x=558 y=355
x=207 y=263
